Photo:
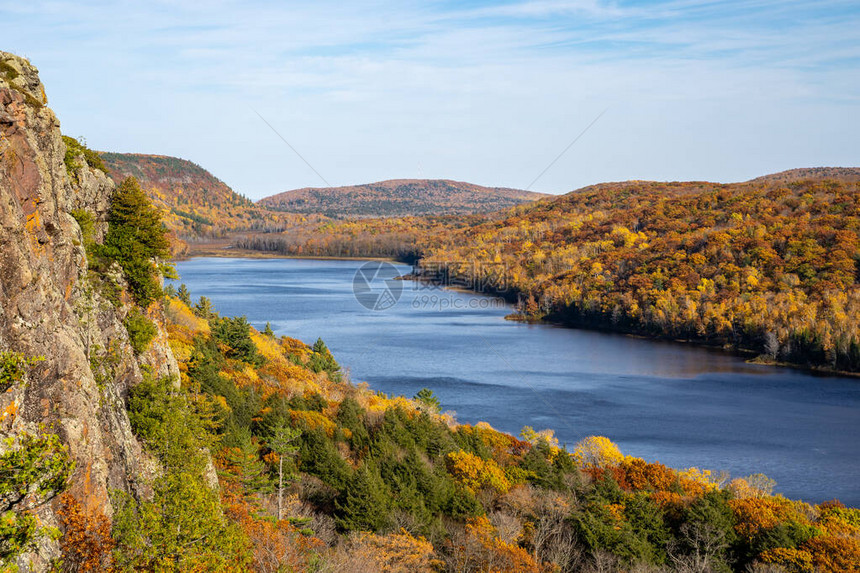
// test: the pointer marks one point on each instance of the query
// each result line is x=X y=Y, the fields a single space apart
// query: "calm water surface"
x=681 y=405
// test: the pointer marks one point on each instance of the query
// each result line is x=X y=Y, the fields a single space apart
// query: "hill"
x=144 y=433
x=196 y=203
x=399 y=198
x=812 y=173
x=771 y=265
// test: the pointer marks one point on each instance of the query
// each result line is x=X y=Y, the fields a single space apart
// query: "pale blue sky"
x=486 y=92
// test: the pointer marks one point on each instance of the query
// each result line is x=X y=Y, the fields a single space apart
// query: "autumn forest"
x=768 y=267
x=471 y=287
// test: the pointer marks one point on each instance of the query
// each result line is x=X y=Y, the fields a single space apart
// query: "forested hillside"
x=141 y=431
x=399 y=198
x=845 y=174
x=769 y=266
x=318 y=474
x=398 y=238
x=765 y=266
x=196 y=204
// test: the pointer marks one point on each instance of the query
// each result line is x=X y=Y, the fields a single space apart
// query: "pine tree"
x=204 y=309
x=322 y=360
x=236 y=333
x=184 y=294
x=280 y=441
x=426 y=397
x=241 y=459
x=365 y=502
x=136 y=239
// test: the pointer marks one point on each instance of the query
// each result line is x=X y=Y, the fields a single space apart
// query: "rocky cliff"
x=51 y=306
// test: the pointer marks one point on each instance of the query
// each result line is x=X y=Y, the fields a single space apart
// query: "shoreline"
x=229 y=252
x=749 y=356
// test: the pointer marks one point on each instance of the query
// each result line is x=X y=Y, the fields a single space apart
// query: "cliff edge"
x=52 y=307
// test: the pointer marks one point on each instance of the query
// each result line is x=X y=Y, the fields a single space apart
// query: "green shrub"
x=141 y=330
x=163 y=417
x=240 y=405
x=86 y=222
x=312 y=401
x=33 y=102
x=33 y=470
x=74 y=148
x=236 y=333
x=13 y=366
x=31 y=474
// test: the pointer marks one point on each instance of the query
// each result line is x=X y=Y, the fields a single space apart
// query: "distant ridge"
x=399 y=198
x=176 y=180
x=195 y=202
x=814 y=173
x=844 y=174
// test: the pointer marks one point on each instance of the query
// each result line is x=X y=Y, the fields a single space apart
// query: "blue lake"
x=682 y=405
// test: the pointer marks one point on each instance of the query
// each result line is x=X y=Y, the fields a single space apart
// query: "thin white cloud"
x=369 y=90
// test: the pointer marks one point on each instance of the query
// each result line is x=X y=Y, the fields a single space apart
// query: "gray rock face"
x=50 y=307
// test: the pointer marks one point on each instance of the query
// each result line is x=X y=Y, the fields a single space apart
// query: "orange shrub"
x=275 y=545
x=696 y=482
x=642 y=475
x=397 y=552
x=793 y=560
x=86 y=543
x=480 y=549
x=835 y=554
x=754 y=514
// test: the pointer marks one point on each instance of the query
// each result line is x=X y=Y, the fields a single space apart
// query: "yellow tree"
x=597 y=452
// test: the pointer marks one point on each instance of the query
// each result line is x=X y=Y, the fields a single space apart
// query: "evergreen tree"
x=319 y=456
x=136 y=239
x=322 y=360
x=182 y=527
x=236 y=333
x=204 y=308
x=365 y=502
x=350 y=415
x=241 y=458
x=426 y=397
x=184 y=294
x=280 y=440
